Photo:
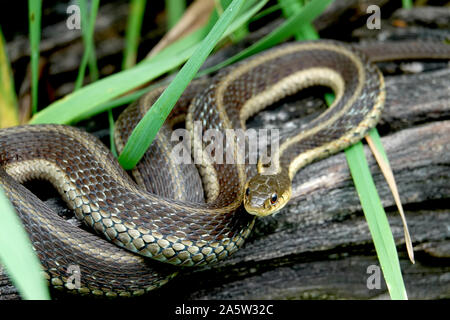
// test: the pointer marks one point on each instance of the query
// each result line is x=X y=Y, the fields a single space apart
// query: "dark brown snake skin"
x=171 y=223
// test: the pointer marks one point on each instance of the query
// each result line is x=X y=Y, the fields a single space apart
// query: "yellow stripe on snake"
x=165 y=217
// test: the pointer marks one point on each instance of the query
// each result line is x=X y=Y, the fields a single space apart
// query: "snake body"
x=176 y=225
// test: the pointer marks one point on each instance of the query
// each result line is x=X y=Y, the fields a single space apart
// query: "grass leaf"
x=92 y=61
x=365 y=187
x=146 y=129
x=407 y=4
x=17 y=255
x=133 y=31
x=311 y=11
x=76 y=105
x=175 y=9
x=92 y=98
x=34 y=21
x=187 y=43
x=377 y=221
x=89 y=42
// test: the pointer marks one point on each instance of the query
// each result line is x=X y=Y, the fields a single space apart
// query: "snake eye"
x=273 y=198
x=247 y=192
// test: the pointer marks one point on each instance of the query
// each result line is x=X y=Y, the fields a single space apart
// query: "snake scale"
x=187 y=217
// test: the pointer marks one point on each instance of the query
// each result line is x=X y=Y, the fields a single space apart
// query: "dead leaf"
x=195 y=17
x=389 y=176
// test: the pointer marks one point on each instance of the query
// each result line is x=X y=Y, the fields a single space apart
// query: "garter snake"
x=175 y=225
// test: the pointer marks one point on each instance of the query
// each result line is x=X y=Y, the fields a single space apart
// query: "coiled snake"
x=171 y=223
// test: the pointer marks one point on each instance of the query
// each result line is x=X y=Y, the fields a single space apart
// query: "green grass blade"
x=77 y=104
x=112 y=145
x=129 y=98
x=365 y=187
x=93 y=97
x=377 y=221
x=146 y=130
x=306 y=31
x=242 y=31
x=193 y=39
x=250 y=9
x=132 y=35
x=312 y=10
x=34 y=21
x=133 y=31
x=407 y=4
x=266 y=12
x=377 y=140
x=17 y=255
x=175 y=9
x=89 y=43
x=182 y=44
x=9 y=114
x=290 y=7
x=92 y=61
x=375 y=215
x=187 y=43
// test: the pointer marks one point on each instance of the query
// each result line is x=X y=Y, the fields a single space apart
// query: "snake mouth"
x=256 y=212
x=260 y=212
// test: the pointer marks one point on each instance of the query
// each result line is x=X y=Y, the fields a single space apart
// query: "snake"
x=187 y=214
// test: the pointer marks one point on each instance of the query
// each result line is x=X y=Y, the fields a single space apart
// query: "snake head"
x=266 y=194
